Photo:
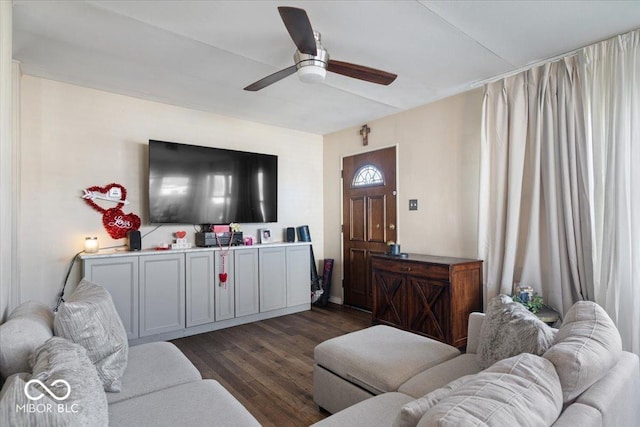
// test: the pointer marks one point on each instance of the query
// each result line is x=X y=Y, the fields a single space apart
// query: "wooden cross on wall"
x=365 y=131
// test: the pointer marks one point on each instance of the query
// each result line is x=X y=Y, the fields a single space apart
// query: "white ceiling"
x=201 y=54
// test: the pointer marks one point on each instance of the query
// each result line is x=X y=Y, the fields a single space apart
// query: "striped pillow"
x=89 y=318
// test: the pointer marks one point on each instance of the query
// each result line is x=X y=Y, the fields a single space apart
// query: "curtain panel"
x=532 y=207
x=611 y=87
x=560 y=184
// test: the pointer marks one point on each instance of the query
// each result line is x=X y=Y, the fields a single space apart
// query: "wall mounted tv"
x=189 y=184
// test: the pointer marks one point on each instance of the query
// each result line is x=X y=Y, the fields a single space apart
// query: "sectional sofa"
x=516 y=371
x=88 y=376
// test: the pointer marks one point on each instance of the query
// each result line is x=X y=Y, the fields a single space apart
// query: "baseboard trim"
x=194 y=330
x=335 y=300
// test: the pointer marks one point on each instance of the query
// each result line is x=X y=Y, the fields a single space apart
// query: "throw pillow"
x=15 y=409
x=411 y=412
x=65 y=369
x=588 y=344
x=90 y=319
x=28 y=326
x=520 y=391
x=510 y=329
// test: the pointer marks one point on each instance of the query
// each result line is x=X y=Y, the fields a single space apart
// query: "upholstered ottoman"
x=356 y=366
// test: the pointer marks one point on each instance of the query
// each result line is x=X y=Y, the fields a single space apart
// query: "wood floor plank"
x=268 y=365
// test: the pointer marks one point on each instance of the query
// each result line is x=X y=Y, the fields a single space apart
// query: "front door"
x=369 y=218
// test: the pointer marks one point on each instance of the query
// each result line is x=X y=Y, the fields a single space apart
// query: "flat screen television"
x=189 y=184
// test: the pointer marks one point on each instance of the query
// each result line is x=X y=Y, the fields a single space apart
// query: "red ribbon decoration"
x=223 y=253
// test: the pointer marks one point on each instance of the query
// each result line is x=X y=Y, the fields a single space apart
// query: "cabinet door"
x=273 y=278
x=225 y=292
x=298 y=275
x=246 y=281
x=429 y=308
x=119 y=276
x=201 y=284
x=389 y=298
x=162 y=293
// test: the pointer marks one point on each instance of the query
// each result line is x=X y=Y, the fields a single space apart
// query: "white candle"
x=91 y=245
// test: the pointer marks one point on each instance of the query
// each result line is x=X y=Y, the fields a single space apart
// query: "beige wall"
x=73 y=138
x=438 y=163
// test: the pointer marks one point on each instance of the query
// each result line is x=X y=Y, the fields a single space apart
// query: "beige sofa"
x=356 y=394
x=160 y=386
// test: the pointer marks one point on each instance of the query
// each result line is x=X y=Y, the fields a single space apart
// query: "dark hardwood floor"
x=268 y=365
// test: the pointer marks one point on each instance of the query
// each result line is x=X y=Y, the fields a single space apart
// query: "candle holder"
x=90 y=245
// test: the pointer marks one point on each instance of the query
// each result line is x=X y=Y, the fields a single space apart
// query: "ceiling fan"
x=312 y=60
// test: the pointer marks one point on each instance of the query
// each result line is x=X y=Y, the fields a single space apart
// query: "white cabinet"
x=165 y=295
x=225 y=292
x=201 y=286
x=273 y=278
x=298 y=275
x=162 y=293
x=119 y=276
x=246 y=281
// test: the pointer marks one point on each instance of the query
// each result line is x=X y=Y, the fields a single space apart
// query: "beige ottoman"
x=356 y=366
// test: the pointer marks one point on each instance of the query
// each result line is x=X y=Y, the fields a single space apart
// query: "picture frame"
x=265 y=235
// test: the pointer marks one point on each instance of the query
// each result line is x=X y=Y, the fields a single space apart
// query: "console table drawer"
x=428 y=270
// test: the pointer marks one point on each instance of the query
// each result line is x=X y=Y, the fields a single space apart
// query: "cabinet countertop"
x=433 y=259
x=119 y=252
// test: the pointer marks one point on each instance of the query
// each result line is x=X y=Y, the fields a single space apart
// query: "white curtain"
x=612 y=104
x=532 y=206
x=558 y=194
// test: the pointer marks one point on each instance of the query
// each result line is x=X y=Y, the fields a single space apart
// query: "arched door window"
x=368 y=175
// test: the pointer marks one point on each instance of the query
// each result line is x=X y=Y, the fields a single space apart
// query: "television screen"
x=190 y=184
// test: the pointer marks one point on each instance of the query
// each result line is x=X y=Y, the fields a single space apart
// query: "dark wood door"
x=369 y=218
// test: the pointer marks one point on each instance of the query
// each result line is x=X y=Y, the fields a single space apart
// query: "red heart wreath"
x=116 y=222
x=105 y=190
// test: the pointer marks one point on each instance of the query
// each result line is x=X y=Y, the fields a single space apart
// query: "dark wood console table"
x=428 y=295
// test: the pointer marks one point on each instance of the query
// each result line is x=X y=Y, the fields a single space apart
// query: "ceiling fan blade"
x=361 y=72
x=299 y=27
x=271 y=79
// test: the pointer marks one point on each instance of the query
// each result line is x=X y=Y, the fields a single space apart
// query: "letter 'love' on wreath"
x=116 y=222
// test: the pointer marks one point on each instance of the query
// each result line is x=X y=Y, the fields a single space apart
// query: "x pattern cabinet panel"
x=428 y=304
x=390 y=301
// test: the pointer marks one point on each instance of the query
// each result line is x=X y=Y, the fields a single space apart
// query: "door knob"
x=392 y=227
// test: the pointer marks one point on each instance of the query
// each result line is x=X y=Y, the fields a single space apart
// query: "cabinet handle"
x=405 y=268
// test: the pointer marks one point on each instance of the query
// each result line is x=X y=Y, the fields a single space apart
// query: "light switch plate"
x=413 y=204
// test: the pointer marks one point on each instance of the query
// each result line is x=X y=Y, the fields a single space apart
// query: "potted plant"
x=531 y=300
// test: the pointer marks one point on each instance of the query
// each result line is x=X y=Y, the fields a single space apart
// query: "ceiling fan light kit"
x=312 y=60
x=312 y=68
x=311 y=73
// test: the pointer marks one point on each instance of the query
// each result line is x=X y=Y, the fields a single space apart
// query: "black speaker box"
x=303 y=234
x=291 y=234
x=134 y=240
